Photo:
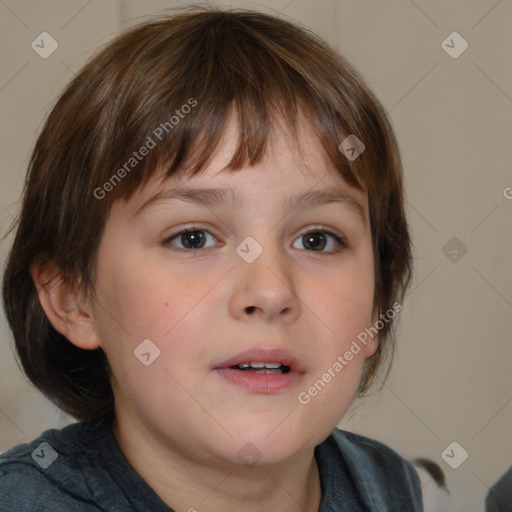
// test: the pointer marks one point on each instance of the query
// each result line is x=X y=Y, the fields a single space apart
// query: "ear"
x=372 y=342
x=64 y=307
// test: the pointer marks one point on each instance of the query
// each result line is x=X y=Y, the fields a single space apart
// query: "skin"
x=178 y=422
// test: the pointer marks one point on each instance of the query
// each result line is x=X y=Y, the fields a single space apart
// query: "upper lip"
x=264 y=355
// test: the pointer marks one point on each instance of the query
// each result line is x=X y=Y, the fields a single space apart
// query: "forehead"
x=294 y=162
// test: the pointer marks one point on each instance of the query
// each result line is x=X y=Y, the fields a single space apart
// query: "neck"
x=186 y=485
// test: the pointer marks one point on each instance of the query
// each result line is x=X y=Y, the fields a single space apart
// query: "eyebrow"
x=212 y=197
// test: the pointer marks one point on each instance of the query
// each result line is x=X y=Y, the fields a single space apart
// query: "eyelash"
x=340 y=240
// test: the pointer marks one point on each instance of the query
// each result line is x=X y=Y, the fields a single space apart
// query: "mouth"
x=262 y=370
x=260 y=367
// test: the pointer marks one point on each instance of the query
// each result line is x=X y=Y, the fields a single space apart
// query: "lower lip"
x=260 y=382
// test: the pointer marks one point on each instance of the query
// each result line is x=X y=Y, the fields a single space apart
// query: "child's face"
x=203 y=307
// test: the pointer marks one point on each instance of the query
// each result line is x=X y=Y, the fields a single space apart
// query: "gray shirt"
x=499 y=498
x=81 y=468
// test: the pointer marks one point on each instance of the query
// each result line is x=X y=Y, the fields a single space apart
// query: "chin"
x=259 y=449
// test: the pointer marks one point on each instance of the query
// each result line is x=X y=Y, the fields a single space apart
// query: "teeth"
x=265 y=365
x=258 y=365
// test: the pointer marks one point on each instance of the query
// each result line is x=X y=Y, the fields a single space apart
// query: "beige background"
x=452 y=378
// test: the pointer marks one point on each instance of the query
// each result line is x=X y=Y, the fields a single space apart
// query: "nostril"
x=250 y=309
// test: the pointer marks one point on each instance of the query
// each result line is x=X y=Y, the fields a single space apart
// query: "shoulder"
x=381 y=455
x=499 y=497
x=45 y=474
x=379 y=471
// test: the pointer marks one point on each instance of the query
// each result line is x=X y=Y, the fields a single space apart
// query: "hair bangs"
x=263 y=94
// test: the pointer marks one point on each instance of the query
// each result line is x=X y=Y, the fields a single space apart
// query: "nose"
x=264 y=290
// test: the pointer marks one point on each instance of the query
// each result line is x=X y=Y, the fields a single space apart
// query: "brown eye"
x=192 y=239
x=189 y=239
x=320 y=239
x=315 y=241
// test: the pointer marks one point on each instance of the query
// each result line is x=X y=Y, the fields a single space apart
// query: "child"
x=210 y=255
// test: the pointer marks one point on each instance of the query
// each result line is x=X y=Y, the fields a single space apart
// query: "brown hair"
x=217 y=62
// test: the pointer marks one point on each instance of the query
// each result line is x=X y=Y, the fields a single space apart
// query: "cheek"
x=346 y=302
x=147 y=300
x=151 y=303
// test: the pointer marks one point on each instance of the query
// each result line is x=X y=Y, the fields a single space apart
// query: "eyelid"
x=320 y=227
x=185 y=229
